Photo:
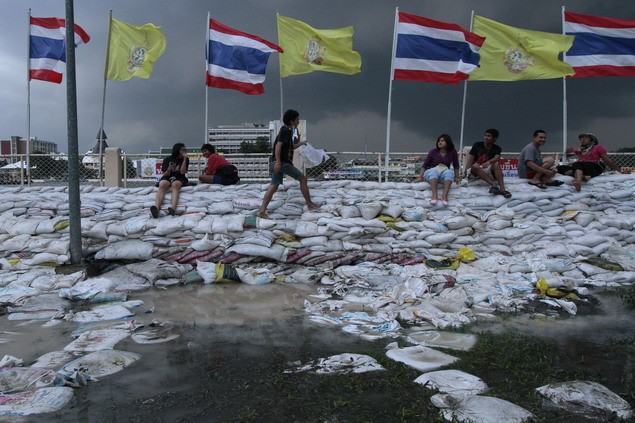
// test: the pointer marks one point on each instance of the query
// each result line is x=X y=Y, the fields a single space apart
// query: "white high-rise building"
x=227 y=138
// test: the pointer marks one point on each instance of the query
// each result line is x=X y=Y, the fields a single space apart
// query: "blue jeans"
x=432 y=173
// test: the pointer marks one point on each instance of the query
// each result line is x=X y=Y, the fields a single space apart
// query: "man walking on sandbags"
x=282 y=162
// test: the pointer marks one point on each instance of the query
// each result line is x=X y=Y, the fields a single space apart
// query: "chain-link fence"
x=145 y=169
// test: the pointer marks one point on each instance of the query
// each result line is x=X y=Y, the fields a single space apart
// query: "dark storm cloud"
x=343 y=112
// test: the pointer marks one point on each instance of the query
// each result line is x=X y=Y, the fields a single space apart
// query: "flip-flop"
x=506 y=194
x=494 y=190
x=262 y=215
x=154 y=211
x=555 y=183
x=541 y=186
x=317 y=207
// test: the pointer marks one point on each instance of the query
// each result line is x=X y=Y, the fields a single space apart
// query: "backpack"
x=228 y=175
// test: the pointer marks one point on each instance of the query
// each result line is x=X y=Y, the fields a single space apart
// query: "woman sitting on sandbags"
x=436 y=168
x=174 y=169
x=588 y=164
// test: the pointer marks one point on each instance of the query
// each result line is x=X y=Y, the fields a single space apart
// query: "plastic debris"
x=588 y=399
x=339 y=364
x=452 y=340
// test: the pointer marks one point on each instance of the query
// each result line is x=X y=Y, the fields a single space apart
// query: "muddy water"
x=235 y=341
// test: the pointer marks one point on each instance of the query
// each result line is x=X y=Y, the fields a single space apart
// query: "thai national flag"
x=602 y=46
x=434 y=51
x=237 y=60
x=47 y=51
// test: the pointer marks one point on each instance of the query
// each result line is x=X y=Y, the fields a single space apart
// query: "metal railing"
x=144 y=169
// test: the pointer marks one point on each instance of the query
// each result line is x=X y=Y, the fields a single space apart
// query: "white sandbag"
x=421 y=358
x=391 y=209
x=441 y=238
x=255 y=276
x=221 y=207
x=498 y=224
x=452 y=382
x=39 y=401
x=460 y=221
x=413 y=214
x=475 y=408
x=590 y=239
x=586 y=399
x=347 y=212
x=275 y=252
x=87 y=289
x=313 y=241
x=54 y=246
x=100 y=363
x=306 y=229
x=370 y=210
x=584 y=219
x=97 y=340
x=126 y=250
x=205 y=244
x=53 y=359
x=45 y=258
x=15 y=243
x=99 y=314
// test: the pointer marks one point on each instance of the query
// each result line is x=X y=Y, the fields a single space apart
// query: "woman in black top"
x=174 y=169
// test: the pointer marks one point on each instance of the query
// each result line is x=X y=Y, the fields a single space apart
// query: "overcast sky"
x=343 y=113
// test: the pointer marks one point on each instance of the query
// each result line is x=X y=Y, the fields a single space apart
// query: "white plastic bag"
x=311 y=156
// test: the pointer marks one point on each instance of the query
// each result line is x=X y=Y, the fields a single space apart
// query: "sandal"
x=494 y=190
x=154 y=211
x=554 y=183
x=541 y=186
x=506 y=194
x=171 y=211
x=262 y=215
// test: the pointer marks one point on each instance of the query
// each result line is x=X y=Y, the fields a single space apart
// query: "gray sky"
x=343 y=113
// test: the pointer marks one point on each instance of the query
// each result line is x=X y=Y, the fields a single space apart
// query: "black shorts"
x=171 y=179
x=588 y=168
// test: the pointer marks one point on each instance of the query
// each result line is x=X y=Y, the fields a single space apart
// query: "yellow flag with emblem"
x=514 y=54
x=307 y=49
x=132 y=50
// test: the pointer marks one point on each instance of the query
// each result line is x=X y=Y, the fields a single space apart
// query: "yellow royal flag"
x=514 y=54
x=133 y=50
x=307 y=49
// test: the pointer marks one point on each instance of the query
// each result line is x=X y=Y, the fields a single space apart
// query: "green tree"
x=260 y=146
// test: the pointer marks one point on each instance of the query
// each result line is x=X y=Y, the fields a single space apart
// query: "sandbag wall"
x=358 y=221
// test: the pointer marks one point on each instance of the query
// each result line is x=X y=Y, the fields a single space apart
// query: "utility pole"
x=75 y=224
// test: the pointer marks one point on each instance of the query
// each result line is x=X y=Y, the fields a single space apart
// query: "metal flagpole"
x=28 y=101
x=463 y=110
x=103 y=104
x=564 y=102
x=392 y=73
x=206 y=139
x=74 y=216
x=280 y=73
